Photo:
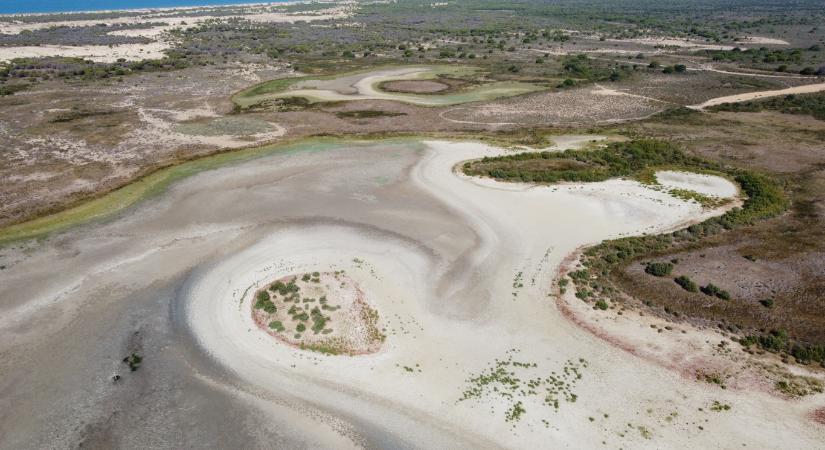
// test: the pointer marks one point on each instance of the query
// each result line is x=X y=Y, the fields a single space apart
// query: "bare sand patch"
x=763 y=40
x=214 y=133
x=98 y=53
x=708 y=185
x=568 y=107
x=673 y=42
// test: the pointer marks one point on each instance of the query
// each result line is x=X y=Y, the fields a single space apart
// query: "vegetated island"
x=322 y=312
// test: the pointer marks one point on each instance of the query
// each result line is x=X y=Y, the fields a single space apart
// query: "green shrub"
x=601 y=304
x=686 y=283
x=264 y=302
x=714 y=291
x=133 y=361
x=659 y=269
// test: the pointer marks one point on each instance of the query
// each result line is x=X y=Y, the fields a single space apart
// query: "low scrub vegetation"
x=714 y=291
x=806 y=104
x=509 y=380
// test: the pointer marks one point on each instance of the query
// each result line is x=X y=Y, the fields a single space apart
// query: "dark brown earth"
x=782 y=259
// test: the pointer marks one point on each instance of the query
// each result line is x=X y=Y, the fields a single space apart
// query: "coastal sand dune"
x=159 y=23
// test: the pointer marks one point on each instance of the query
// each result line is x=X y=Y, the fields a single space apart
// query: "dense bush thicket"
x=622 y=159
x=778 y=341
x=808 y=104
x=78 y=68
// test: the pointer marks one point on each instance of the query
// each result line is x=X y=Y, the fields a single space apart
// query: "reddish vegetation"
x=819 y=415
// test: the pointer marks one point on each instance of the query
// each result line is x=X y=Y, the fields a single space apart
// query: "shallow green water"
x=109 y=205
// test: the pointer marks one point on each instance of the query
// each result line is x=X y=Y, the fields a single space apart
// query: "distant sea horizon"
x=64 y=6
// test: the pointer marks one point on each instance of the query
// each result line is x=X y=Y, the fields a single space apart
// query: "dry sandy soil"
x=449 y=261
x=161 y=20
x=587 y=105
x=62 y=143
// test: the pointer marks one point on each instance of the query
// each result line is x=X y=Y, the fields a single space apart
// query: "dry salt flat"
x=459 y=269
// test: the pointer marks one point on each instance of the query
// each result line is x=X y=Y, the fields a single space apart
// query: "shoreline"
x=163 y=8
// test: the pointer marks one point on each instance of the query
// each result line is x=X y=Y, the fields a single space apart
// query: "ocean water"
x=46 y=6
